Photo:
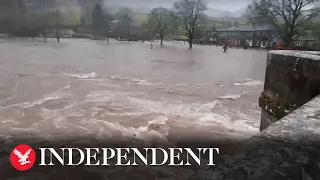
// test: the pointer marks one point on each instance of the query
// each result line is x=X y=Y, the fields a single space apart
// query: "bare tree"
x=190 y=13
x=256 y=10
x=161 y=22
x=124 y=25
x=99 y=22
x=290 y=17
x=315 y=26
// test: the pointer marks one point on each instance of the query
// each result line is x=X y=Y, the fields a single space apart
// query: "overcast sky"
x=229 y=5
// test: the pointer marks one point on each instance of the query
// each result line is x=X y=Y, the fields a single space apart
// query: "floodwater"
x=127 y=90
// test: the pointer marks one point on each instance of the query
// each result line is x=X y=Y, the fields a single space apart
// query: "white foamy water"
x=144 y=82
x=91 y=75
x=125 y=78
x=250 y=83
x=155 y=131
x=93 y=111
x=204 y=114
x=231 y=96
x=45 y=98
x=110 y=103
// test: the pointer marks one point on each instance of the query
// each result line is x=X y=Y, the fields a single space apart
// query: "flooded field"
x=126 y=90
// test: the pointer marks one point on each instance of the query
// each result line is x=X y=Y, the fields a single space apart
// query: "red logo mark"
x=23 y=157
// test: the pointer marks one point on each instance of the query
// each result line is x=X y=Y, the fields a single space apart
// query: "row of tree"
x=37 y=12
x=292 y=18
x=186 y=19
x=108 y=24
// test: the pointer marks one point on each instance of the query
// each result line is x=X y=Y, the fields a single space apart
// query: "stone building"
x=254 y=36
x=307 y=40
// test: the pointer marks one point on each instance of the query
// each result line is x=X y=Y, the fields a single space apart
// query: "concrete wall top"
x=300 y=125
x=315 y=55
x=288 y=149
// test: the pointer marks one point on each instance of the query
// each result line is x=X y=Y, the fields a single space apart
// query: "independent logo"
x=23 y=157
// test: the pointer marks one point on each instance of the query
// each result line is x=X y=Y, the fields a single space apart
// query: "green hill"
x=141 y=18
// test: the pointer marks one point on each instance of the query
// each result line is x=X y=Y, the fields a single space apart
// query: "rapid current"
x=125 y=90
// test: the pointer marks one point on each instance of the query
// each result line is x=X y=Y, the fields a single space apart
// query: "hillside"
x=143 y=17
x=221 y=13
x=140 y=17
x=141 y=13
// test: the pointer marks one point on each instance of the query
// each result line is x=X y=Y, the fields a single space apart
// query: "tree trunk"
x=286 y=43
x=128 y=35
x=44 y=36
x=287 y=40
x=190 y=43
x=58 y=34
x=161 y=40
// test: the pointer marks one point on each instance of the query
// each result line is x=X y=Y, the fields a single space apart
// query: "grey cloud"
x=230 y=5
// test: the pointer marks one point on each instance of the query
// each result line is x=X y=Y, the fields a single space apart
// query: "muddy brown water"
x=91 y=87
x=121 y=90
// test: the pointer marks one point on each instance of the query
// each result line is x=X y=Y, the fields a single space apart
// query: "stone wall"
x=288 y=146
x=292 y=79
x=288 y=149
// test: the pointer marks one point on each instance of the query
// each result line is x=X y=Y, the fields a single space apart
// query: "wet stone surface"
x=292 y=79
x=288 y=149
